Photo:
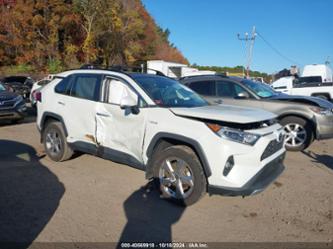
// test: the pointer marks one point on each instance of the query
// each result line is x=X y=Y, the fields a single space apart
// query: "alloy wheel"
x=176 y=178
x=53 y=142
x=295 y=134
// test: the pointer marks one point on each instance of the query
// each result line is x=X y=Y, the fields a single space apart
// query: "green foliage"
x=19 y=69
x=22 y=68
x=54 y=66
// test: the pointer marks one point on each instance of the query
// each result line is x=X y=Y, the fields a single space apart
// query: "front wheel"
x=179 y=175
x=299 y=133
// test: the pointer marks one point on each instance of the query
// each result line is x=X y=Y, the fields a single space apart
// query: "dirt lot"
x=88 y=199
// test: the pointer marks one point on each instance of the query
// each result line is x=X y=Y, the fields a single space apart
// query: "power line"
x=249 y=44
x=276 y=50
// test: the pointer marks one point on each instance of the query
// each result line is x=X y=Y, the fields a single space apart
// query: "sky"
x=206 y=30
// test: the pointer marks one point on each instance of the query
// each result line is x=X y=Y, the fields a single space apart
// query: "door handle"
x=61 y=103
x=103 y=114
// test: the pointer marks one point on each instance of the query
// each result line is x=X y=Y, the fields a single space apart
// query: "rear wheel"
x=299 y=134
x=179 y=175
x=55 y=144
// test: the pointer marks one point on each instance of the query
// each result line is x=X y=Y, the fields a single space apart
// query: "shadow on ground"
x=29 y=194
x=149 y=218
x=325 y=159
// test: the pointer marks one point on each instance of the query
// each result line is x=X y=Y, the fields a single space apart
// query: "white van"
x=318 y=70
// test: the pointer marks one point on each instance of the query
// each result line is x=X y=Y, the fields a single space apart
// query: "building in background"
x=174 y=70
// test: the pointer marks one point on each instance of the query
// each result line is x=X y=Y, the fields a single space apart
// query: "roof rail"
x=123 y=69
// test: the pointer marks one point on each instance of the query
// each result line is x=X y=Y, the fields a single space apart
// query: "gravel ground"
x=88 y=199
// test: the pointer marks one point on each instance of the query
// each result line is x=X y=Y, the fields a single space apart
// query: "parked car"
x=12 y=105
x=37 y=86
x=156 y=124
x=303 y=118
x=19 y=84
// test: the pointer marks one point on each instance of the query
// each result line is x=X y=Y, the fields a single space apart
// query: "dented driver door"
x=120 y=131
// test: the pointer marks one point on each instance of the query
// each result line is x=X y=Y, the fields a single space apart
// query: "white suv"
x=158 y=125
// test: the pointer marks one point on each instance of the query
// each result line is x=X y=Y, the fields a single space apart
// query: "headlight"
x=234 y=135
x=322 y=111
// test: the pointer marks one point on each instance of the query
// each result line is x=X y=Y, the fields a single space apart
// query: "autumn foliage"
x=56 y=34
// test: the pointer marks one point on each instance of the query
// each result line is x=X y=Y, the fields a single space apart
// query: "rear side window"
x=206 y=88
x=63 y=87
x=86 y=87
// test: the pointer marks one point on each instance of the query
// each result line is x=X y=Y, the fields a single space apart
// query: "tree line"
x=56 y=34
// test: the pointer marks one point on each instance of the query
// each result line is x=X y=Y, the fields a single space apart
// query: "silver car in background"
x=304 y=118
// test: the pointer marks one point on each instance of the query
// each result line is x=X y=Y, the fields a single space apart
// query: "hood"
x=5 y=95
x=225 y=113
x=307 y=100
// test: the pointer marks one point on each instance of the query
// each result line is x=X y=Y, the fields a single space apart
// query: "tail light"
x=37 y=95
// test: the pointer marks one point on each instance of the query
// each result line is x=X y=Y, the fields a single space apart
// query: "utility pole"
x=249 y=44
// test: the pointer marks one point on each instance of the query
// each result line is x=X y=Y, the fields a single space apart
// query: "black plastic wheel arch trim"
x=198 y=149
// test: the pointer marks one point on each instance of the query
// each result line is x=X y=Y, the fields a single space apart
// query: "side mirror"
x=128 y=102
x=243 y=95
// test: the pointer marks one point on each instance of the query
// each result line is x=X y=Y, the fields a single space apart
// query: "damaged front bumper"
x=257 y=184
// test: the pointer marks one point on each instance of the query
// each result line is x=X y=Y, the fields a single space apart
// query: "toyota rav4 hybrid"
x=156 y=124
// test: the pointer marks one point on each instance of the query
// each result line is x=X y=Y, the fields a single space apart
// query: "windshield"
x=167 y=92
x=262 y=90
x=2 y=88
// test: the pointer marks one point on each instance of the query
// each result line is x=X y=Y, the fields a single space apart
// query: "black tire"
x=193 y=164
x=306 y=126
x=65 y=152
x=16 y=121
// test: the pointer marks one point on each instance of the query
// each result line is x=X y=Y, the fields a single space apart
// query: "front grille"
x=272 y=147
x=244 y=127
